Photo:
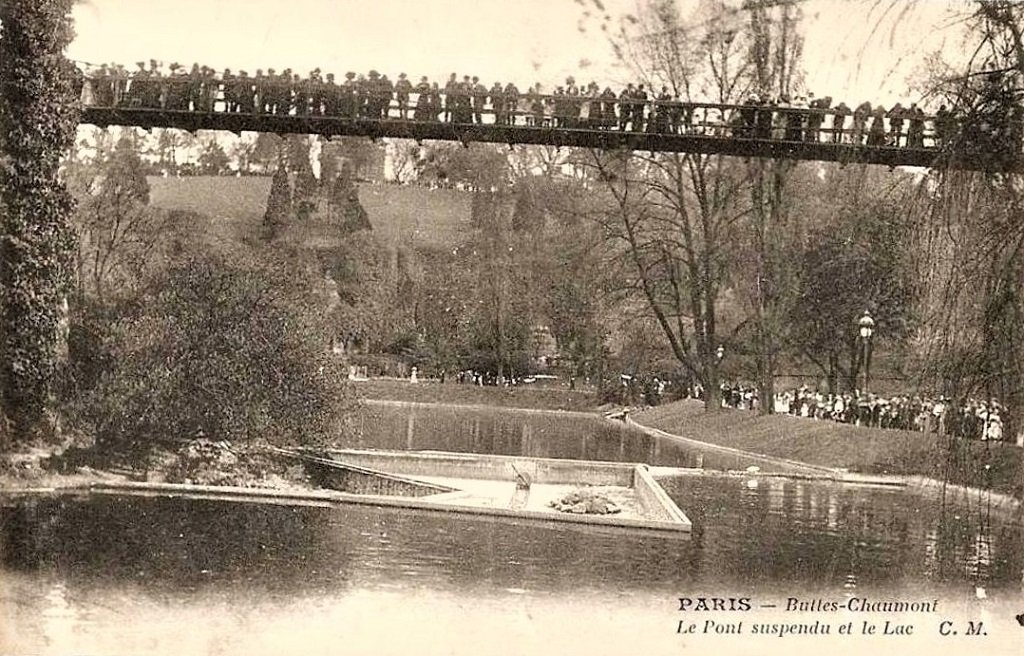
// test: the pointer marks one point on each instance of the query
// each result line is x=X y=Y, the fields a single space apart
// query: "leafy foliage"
x=221 y=348
x=38 y=119
x=213 y=160
x=855 y=262
x=117 y=231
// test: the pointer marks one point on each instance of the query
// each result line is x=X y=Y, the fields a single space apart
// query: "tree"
x=672 y=217
x=243 y=153
x=856 y=260
x=775 y=46
x=970 y=341
x=167 y=144
x=365 y=157
x=38 y=120
x=266 y=151
x=405 y=158
x=223 y=347
x=117 y=230
x=213 y=160
x=279 y=204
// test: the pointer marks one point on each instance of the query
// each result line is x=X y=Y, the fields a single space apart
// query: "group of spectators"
x=467 y=100
x=971 y=419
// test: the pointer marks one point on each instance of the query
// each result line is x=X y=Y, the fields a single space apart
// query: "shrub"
x=227 y=350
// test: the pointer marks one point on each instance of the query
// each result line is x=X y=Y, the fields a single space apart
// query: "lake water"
x=130 y=575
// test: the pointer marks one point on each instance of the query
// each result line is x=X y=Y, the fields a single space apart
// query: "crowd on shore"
x=466 y=100
x=971 y=419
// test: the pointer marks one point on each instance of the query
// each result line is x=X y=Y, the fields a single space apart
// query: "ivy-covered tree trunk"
x=38 y=119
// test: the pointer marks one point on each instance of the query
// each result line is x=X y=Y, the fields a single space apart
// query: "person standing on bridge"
x=839 y=114
x=366 y=87
x=403 y=87
x=313 y=93
x=607 y=112
x=385 y=95
x=748 y=118
x=816 y=117
x=915 y=129
x=497 y=96
x=511 y=95
x=464 y=101
x=764 y=115
x=263 y=92
x=330 y=96
x=451 y=91
x=195 y=87
x=639 y=108
x=573 y=104
x=347 y=106
x=139 y=86
x=434 y=102
x=422 y=91
x=479 y=95
x=876 y=133
x=896 y=116
x=944 y=126
x=792 y=119
x=661 y=111
x=860 y=118
x=294 y=94
x=227 y=79
x=626 y=106
x=208 y=89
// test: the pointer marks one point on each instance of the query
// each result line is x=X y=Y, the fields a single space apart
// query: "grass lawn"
x=867 y=450
x=417 y=216
x=539 y=398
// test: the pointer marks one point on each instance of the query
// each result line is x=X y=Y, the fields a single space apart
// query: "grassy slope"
x=433 y=392
x=840 y=445
x=411 y=215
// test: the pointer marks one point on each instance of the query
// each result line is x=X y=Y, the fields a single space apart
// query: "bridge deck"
x=707 y=144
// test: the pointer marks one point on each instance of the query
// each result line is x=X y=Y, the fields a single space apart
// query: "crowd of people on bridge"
x=467 y=100
x=971 y=419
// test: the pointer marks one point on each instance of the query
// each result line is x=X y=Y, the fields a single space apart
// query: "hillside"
x=859 y=449
x=400 y=214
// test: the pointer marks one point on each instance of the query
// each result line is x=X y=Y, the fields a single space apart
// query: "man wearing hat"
x=227 y=79
x=155 y=90
x=384 y=95
x=347 y=96
x=330 y=96
x=176 y=88
x=243 y=93
x=497 y=94
x=479 y=94
x=139 y=88
x=403 y=87
x=367 y=90
x=511 y=96
x=423 y=104
x=451 y=92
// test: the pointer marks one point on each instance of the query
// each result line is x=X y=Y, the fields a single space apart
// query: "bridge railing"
x=260 y=96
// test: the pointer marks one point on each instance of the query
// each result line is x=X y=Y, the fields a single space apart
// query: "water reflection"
x=106 y=574
x=512 y=432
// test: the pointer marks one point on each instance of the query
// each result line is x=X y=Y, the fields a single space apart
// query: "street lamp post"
x=866 y=325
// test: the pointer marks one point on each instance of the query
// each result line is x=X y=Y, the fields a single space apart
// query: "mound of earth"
x=585 y=502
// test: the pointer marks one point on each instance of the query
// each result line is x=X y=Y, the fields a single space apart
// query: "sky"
x=854 y=50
